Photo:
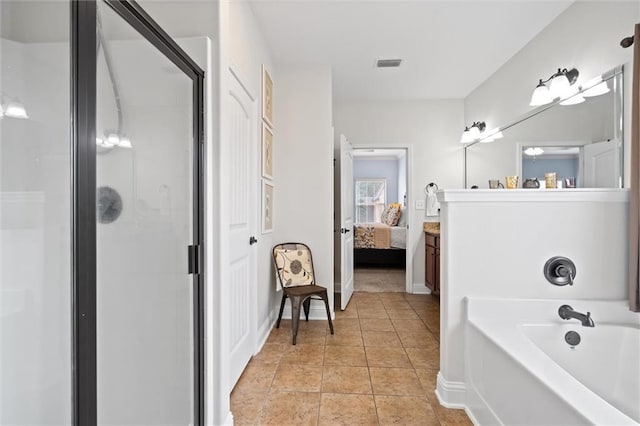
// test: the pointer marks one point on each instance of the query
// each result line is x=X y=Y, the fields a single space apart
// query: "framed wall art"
x=267 y=152
x=267 y=97
x=267 y=207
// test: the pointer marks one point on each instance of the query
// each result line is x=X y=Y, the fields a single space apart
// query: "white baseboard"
x=451 y=394
x=420 y=288
x=265 y=328
x=316 y=311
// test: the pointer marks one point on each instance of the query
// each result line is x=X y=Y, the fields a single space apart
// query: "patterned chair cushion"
x=391 y=214
x=293 y=265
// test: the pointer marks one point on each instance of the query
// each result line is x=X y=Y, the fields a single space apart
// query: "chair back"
x=294 y=265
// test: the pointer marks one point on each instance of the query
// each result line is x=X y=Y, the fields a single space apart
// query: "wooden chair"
x=294 y=269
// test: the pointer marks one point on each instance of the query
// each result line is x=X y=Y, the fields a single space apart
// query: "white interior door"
x=601 y=165
x=346 y=221
x=241 y=204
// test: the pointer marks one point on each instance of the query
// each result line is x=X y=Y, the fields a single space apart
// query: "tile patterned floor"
x=379 y=368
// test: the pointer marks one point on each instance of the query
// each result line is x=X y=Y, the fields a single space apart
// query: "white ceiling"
x=448 y=48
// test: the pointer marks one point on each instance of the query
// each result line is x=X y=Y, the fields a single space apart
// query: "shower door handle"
x=193 y=259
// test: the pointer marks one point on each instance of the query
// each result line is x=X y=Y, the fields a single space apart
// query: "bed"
x=378 y=244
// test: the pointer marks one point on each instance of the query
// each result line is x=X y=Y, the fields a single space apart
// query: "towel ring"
x=429 y=186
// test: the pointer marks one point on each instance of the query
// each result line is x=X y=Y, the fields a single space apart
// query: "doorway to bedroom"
x=380 y=187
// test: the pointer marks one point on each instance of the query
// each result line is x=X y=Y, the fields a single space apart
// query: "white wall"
x=431 y=129
x=495 y=244
x=303 y=163
x=247 y=53
x=585 y=36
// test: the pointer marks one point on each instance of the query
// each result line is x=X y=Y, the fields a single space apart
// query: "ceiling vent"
x=388 y=63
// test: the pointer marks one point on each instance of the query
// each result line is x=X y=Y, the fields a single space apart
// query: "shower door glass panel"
x=144 y=137
x=35 y=213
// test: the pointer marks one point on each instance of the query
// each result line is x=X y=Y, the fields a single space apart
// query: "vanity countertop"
x=431 y=227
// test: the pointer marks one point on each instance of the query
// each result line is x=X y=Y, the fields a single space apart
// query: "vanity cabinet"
x=432 y=261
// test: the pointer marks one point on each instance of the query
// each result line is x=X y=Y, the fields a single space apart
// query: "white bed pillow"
x=403 y=218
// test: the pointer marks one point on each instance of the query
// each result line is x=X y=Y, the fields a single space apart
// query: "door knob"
x=252 y=240
x=344 y=230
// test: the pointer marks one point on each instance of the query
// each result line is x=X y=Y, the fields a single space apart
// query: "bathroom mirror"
x=582 y=141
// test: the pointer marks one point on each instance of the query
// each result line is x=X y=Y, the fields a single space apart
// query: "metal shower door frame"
x=83 y=112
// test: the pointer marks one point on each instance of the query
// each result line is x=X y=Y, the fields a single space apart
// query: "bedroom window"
x=371 y=197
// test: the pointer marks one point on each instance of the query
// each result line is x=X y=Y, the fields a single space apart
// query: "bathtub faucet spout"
x=566 y=312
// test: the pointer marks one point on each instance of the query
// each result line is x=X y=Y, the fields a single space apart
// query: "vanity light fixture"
x=598 y=87
x=560 y=83
x=533 y=151
x=492 y=135
x=14 y=109
x=473 y=132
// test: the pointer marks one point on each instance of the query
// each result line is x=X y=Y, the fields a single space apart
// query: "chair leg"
x=326 y=306
x=296 y=301
x=284 y=299
x=306 y=304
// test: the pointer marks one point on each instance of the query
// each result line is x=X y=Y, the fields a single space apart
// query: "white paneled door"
x=346 y=221
x=602 y=165
x=242 y=206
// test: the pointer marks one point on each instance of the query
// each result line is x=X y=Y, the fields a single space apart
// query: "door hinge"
x=194 y=259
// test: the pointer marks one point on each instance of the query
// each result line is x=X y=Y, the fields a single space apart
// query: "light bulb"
x=466 y=136
x=16 y=110
x=474 y=132
x=533 y=151
x=113 y=139
x=559 y=86
x=125 y=142
x=540 y=95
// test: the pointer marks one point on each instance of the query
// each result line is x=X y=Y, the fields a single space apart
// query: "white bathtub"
x=520 y=371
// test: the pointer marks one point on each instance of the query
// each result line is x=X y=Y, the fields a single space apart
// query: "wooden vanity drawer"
x=432 y=240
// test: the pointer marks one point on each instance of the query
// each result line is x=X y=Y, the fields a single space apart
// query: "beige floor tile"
x=429 y=380
x=372 y=312
x=280 y=335
x=363 y=297
x=381 y=338
x=303 y=378
x=395 y=381
x=428 y=357
x=350 y=312
x=387 y=357
x=403 y=410
x=346 y=324
x=345 y=338
x=291 y=408
x=395 y=303
x=311 y=338
x=451 y=417
x=256 y=377
x=247 y=407
x=402 y=314
x=304 y=353
x=271 y=353
x=373 y=324
x=418 y=340
x=403 y=325
x=338 y=379
x=347 y=410
x=351 y=356
x=385 y=343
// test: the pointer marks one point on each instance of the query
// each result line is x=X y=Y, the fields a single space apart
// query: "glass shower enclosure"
x=101 y=318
